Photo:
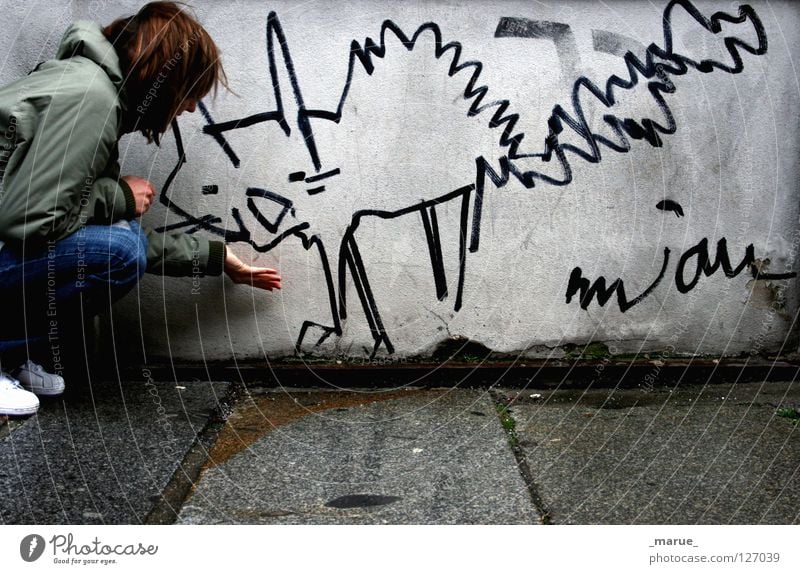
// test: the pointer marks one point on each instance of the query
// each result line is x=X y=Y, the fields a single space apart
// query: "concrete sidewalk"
x=217 y=453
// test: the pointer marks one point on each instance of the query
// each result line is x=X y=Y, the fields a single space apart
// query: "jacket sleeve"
x=183 y=255
x=54 y=182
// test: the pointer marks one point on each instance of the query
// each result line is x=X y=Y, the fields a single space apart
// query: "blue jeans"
x=44 y=294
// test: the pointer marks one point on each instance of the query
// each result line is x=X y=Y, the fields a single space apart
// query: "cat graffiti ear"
x=290 y=111
x=277 y=40
x=290 y=106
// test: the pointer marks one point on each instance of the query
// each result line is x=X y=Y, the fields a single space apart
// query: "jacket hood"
x=85 y=38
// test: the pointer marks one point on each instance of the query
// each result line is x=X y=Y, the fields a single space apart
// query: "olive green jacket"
x=59 y=128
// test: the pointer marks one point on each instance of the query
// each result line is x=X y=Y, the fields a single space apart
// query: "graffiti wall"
x=524 y=175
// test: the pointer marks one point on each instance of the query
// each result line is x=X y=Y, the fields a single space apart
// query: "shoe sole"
x=19 y=411
x=44 y=392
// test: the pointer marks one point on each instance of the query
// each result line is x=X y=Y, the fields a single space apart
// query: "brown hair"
x=167 y=58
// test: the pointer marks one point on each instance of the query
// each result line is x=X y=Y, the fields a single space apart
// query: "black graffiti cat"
x=278 y=213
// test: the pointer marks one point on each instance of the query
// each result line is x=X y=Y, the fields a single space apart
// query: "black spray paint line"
x=352 y=257
x=669 y=205
x=286 y=206
x=703 y=266
x=579 y=284
x=660 y=63
x=320 y=176
x=220 y=139
x=192 y=226
x=431 y=226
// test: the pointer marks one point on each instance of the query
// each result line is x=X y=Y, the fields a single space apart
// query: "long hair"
x=167 y=59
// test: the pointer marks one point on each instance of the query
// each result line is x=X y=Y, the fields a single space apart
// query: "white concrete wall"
x=405 y=137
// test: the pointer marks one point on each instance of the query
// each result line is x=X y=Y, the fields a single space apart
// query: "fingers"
x=143 y=206
x=260 y=271
x=263 y=271
x=266 y=286
x=265 y=281
x=149 y=195
x=260 y=277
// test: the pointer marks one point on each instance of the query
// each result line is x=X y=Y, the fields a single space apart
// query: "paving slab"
x=718 y=454
x=399 y=457
x=102 y=453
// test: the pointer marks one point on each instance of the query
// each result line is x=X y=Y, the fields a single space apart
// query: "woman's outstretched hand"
x=240 y=272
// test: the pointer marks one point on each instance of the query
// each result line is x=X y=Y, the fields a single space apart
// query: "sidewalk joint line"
x=179 y=487
x=502 y=406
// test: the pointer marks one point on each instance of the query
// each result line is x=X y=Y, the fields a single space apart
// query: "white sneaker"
x=38 y=381
x=14 y=400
